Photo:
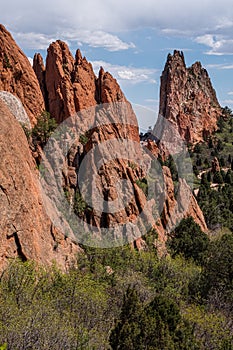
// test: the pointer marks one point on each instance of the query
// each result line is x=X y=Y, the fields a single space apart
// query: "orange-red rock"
x=108 y=88
x=18 y=77
x=59 y=66
x=187 y=99
x=68 y=86
x=39 y=69
x=26 y=230
x=181 y=206
x=84 y=83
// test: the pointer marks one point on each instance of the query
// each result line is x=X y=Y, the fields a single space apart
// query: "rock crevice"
x=66 y=86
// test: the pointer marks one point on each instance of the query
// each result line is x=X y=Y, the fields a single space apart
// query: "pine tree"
x=217 y=178
x=44 y=128
x=189 y=240
x=126 y=334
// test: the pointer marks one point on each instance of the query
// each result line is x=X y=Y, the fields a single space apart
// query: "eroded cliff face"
x=67 y=85
x=187 y=99
x=180 y=206
x=26 y=230
x=18 y=77
x=74 y=90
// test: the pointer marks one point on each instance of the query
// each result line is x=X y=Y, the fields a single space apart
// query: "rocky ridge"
x=188 y=99
x=68 y=85
x=72 y=87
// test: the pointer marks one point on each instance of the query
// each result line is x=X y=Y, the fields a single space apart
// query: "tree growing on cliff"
x=44 y=128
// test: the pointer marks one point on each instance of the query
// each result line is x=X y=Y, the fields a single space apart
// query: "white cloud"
x=181 y=17
x=207 y=40
x=218 y=44
x=127 y=74
x=170 y=49
x=98 y=39
x=213 y=66
x=230 y=66
x=151 y=100
x=219 y=66
x=176 y=32
x=224 y=23
x=230 y=93
x=92 y=38
x=33 y=40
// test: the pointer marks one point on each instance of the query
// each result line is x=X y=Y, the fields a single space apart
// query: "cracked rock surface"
x=26 y=231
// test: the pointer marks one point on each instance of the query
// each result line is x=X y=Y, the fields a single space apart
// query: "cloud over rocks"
x=95 y=39
x=99 y=23
x=127 y=74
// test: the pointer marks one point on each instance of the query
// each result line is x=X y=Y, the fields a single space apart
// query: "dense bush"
x=189 y=240
x=129 y=299
x=217 y=275
x=44 y=128
x=157 y=325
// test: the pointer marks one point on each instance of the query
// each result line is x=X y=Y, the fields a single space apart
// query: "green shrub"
x=79 y=204
x=189 y=240
x=6 y=62
x=83 y=139
x=44 y=128
x=143 y=185
x=3 y=347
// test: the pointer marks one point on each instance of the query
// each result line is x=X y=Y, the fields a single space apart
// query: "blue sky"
x=132 y=39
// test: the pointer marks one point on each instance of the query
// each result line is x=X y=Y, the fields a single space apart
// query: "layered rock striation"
x=67 y=86
x=188 y=99
x=26 y=230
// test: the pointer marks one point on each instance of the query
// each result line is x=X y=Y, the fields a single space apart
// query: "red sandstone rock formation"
x=72 y=86
x=18 y=77
x=181 y=206
x=26 y=230
x=39 y=69
x=187 y=99
x=69 y=85
x=59 y=66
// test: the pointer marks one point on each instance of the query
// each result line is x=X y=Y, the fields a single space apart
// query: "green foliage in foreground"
x=215 y=196
x=3 y=347
x=189 y=240
x=217 y=206
x=121 y=299
x=158 y=325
